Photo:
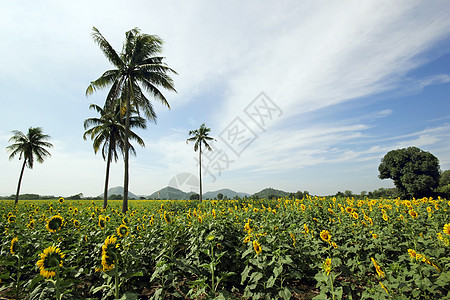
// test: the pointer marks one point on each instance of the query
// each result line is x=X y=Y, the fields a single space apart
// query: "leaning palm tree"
x=137 y=69
x=109 y=130
x=30 y=146
x=200 y=136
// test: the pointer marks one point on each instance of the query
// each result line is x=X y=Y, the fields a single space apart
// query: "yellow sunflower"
x=166 y=217
x=247 y=226
x=377 y=268
x=54 y=223
x=327 y=266
x=31 y=224
x=14 y=246
x=61 y=200
x=446 y=229
x=413 y=213
x=384 y=288
x=101 y=222
x=51 y=259
x=257 y=247
x=76 y=223
x=293 y=238
x=122 y=230
x=325 y=235
x=306 y=228
x=11 y=218
x=109 y=255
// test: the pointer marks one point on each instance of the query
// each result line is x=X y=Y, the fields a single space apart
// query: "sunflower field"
x=321 y=248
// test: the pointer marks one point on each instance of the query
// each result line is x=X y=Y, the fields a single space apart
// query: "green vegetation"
x=415 y=172
x=270 y=193
x=327 y=248
x=444 y=184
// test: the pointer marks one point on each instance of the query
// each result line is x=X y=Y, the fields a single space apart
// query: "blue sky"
x=337 y=84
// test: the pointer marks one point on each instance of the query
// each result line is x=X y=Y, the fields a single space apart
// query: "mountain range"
x=176 y=194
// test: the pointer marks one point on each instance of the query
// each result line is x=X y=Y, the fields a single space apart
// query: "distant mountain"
x=266 y=193
x=225 y=192
x=170 y=193
x=118 y=190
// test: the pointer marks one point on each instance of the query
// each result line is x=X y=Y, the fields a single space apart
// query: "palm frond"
x=106 y=48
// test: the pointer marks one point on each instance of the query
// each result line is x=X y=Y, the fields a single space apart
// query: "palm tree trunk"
x=20 y=181
x=200 y=173
x=108 y=163
x=127 y=130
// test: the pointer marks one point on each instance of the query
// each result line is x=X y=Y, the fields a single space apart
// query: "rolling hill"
x=266 y=193
x=170 y=193
x=225 y=192
x=118 y=190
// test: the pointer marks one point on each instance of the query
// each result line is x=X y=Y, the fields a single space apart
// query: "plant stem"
x=332 y=288
x=116 y=278
x=58 y=295
x=212 y=269
x=18 y=277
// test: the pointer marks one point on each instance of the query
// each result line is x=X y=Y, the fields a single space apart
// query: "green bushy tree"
x=415 y=172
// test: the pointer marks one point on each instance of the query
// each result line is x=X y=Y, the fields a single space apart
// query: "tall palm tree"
x=109 y=130
x=200 y=136
x=137 y=68
x=30 y=146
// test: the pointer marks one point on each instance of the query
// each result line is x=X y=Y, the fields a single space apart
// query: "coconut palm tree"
x=30 y=146
x=108 y=132
x=137 y=69
x=200 y=136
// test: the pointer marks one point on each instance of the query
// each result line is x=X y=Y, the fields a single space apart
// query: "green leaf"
x=136 y=274
x=157 y=293
x=255 y=277
x=197 y=282
x=286 y=260
x=338 y=292
x=247 y=252
x=244 y=274
x=277 y=270
x=271 y=282
x=443 y=279
x=129 y=296
x=320 y=297
x=285 y=293
x=95 y=290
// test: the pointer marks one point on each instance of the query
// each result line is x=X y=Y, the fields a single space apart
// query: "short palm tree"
x=200 y=136
x=137 y=68
x=109 y=130
x=30 y=146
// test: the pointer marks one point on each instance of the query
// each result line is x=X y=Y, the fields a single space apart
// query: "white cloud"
x=336 y=52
